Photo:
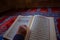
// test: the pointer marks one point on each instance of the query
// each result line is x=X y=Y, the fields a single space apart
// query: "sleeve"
x=18 y=37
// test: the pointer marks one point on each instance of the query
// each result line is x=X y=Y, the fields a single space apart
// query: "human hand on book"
x=22 y=30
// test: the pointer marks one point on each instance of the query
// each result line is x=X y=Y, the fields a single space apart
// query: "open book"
x=41 y=28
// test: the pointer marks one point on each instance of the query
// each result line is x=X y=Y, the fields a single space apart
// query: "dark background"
x=25 y=4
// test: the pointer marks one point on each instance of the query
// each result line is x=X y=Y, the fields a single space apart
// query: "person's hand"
x=22 y=30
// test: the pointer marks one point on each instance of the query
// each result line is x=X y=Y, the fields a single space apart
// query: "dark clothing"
x=18 y=37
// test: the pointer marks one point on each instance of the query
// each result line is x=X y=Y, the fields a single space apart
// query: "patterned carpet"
x=6 y=21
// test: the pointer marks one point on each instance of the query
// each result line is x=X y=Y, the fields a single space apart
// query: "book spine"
x=28 y=29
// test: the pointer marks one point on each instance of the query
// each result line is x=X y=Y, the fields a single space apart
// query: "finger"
x=23 y=27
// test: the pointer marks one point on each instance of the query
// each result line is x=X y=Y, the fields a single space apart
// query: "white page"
x=40 y=29
x=52 y=29
x=21 y=20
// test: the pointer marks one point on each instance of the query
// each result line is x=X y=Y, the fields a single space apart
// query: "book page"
x=21 y=20
x=52 y=29
x=40 y=29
